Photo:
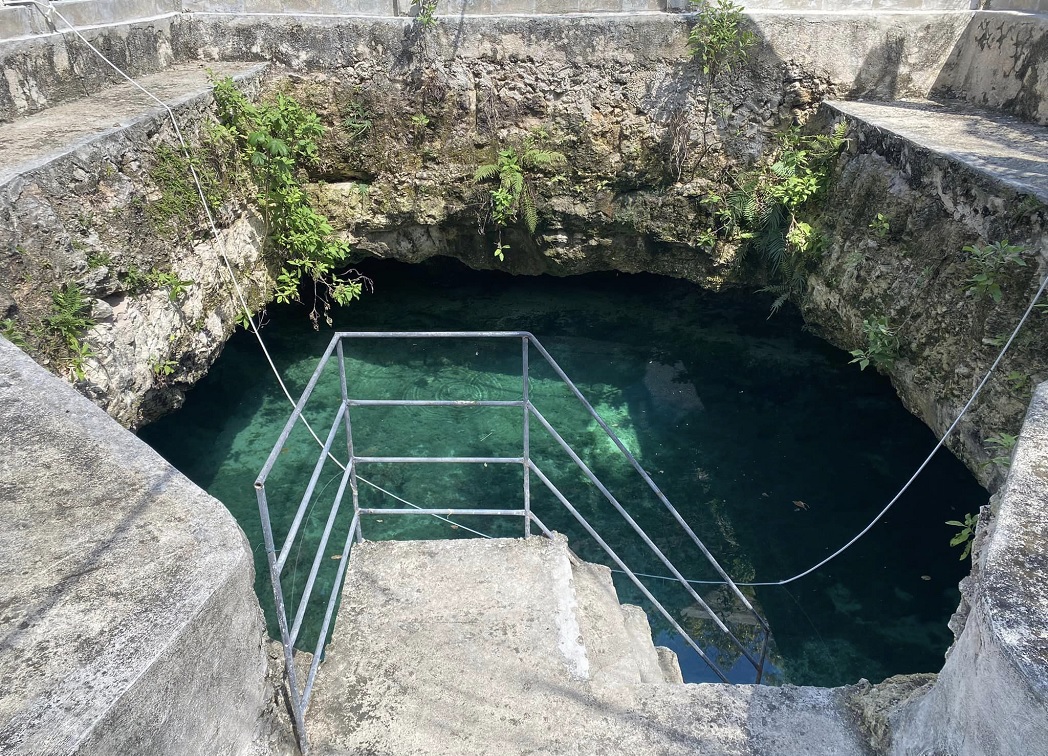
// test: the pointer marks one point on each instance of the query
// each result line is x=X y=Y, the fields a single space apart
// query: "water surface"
x=770 y=444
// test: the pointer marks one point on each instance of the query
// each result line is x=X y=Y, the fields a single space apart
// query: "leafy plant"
x=178 y=206
x=512 y=195
x=1017 y=380
x=9 y=330
x=163 y=368
x=986 y=264
x=426 y=17
x=1000 y=445
x=880 y=225
x=719 y=41
x=175 y=286
x=763 y=208
x=70 y=316
x=882 y=345
x=966 y=536
x=97 y=260
x=276 y=141
x=355 y=120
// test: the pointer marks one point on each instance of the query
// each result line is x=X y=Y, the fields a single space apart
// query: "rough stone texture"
x=128 y=621
x=75 y=188
x=991 y=697
x=970 y=180
x=1001 y=62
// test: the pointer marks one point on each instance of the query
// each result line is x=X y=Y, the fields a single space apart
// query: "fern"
x=514 y=196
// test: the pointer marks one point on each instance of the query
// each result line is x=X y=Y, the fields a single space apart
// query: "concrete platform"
x=998 y=147
x=128 y=621
x=509 y=647
x=30 y=142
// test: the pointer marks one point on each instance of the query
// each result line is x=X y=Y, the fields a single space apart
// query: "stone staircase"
x=513 y=646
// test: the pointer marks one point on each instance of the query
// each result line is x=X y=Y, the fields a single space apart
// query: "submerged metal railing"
x=291 y=627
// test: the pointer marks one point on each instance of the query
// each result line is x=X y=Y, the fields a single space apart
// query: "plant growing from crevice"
x=11 y=331
x=511 y=195
x=720 y=43
x=880 y=225
x=986 y=265
x=1001 y=446
x=276 y=141
x=966 y=535
x=763 y=209
x=882 y=344
x=69 y=317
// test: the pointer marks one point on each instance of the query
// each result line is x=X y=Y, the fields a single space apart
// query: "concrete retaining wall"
x=992 y=695
x=128 y=621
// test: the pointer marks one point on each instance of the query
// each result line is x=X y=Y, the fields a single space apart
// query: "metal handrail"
x=299 y=698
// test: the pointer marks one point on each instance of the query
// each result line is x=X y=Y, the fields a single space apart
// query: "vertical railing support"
x=351 y=461
x=295 y=699
x=527 y=438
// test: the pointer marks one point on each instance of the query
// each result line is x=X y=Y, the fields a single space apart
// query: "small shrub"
x=966 y=536
x=1001 y=446
x=880 y=225
x=882 y=345
x=986 y=264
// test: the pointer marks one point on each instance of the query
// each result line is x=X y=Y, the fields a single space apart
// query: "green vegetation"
x=427 y=10
x=1000 y=445
x=966 y=536
x=513 y=195
x=987 y=264
x=763 y=208
x=719 y=41
x=880 y=225
x=163 y=368
x=276 y=141
x=175 y=286
x=178 y=206
x=70 y=316
x=10 y=330
x=882 y=345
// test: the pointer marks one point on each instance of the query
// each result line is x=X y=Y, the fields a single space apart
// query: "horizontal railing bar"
x=433 y=403
x=432 y=334
x=307 y=591
x=299 y=406
x=446 y=512
x=443 y=460
x=643 y=536
x=651 y=483
x=629 y=573
x=336 y=593
x=285 y=550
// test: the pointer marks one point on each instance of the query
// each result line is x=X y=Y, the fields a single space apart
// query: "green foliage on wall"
x=276 y=141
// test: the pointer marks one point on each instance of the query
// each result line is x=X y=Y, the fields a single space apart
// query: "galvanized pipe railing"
x=277 y=560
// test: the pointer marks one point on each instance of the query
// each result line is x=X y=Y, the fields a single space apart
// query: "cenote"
x=772 y=446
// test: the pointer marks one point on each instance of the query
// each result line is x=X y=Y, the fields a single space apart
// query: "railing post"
x=278 y=598
x=527 y=439
x=351 y=461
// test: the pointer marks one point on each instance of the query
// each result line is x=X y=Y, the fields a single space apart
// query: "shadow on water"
x=772 y=447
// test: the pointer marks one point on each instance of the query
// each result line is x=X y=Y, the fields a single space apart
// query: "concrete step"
x=602 y=622
x=993 y=147
x=670 y=665
x=644 y=652
x=22 y=21
x=30 y=142
x=479 y=647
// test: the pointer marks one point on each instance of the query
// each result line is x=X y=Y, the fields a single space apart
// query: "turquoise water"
x=773 y=448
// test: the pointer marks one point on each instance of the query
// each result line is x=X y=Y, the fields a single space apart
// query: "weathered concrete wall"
x=916 y=273
x=992 y=695
x=1001 y=62
x=128 y=621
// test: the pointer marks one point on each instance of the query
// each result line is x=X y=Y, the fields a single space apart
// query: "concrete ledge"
x=128 y=623
x=991 y=698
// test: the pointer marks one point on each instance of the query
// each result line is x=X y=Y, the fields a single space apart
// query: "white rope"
x=254 y=329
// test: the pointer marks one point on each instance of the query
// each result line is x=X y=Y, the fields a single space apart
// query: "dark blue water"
x=771 y=445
